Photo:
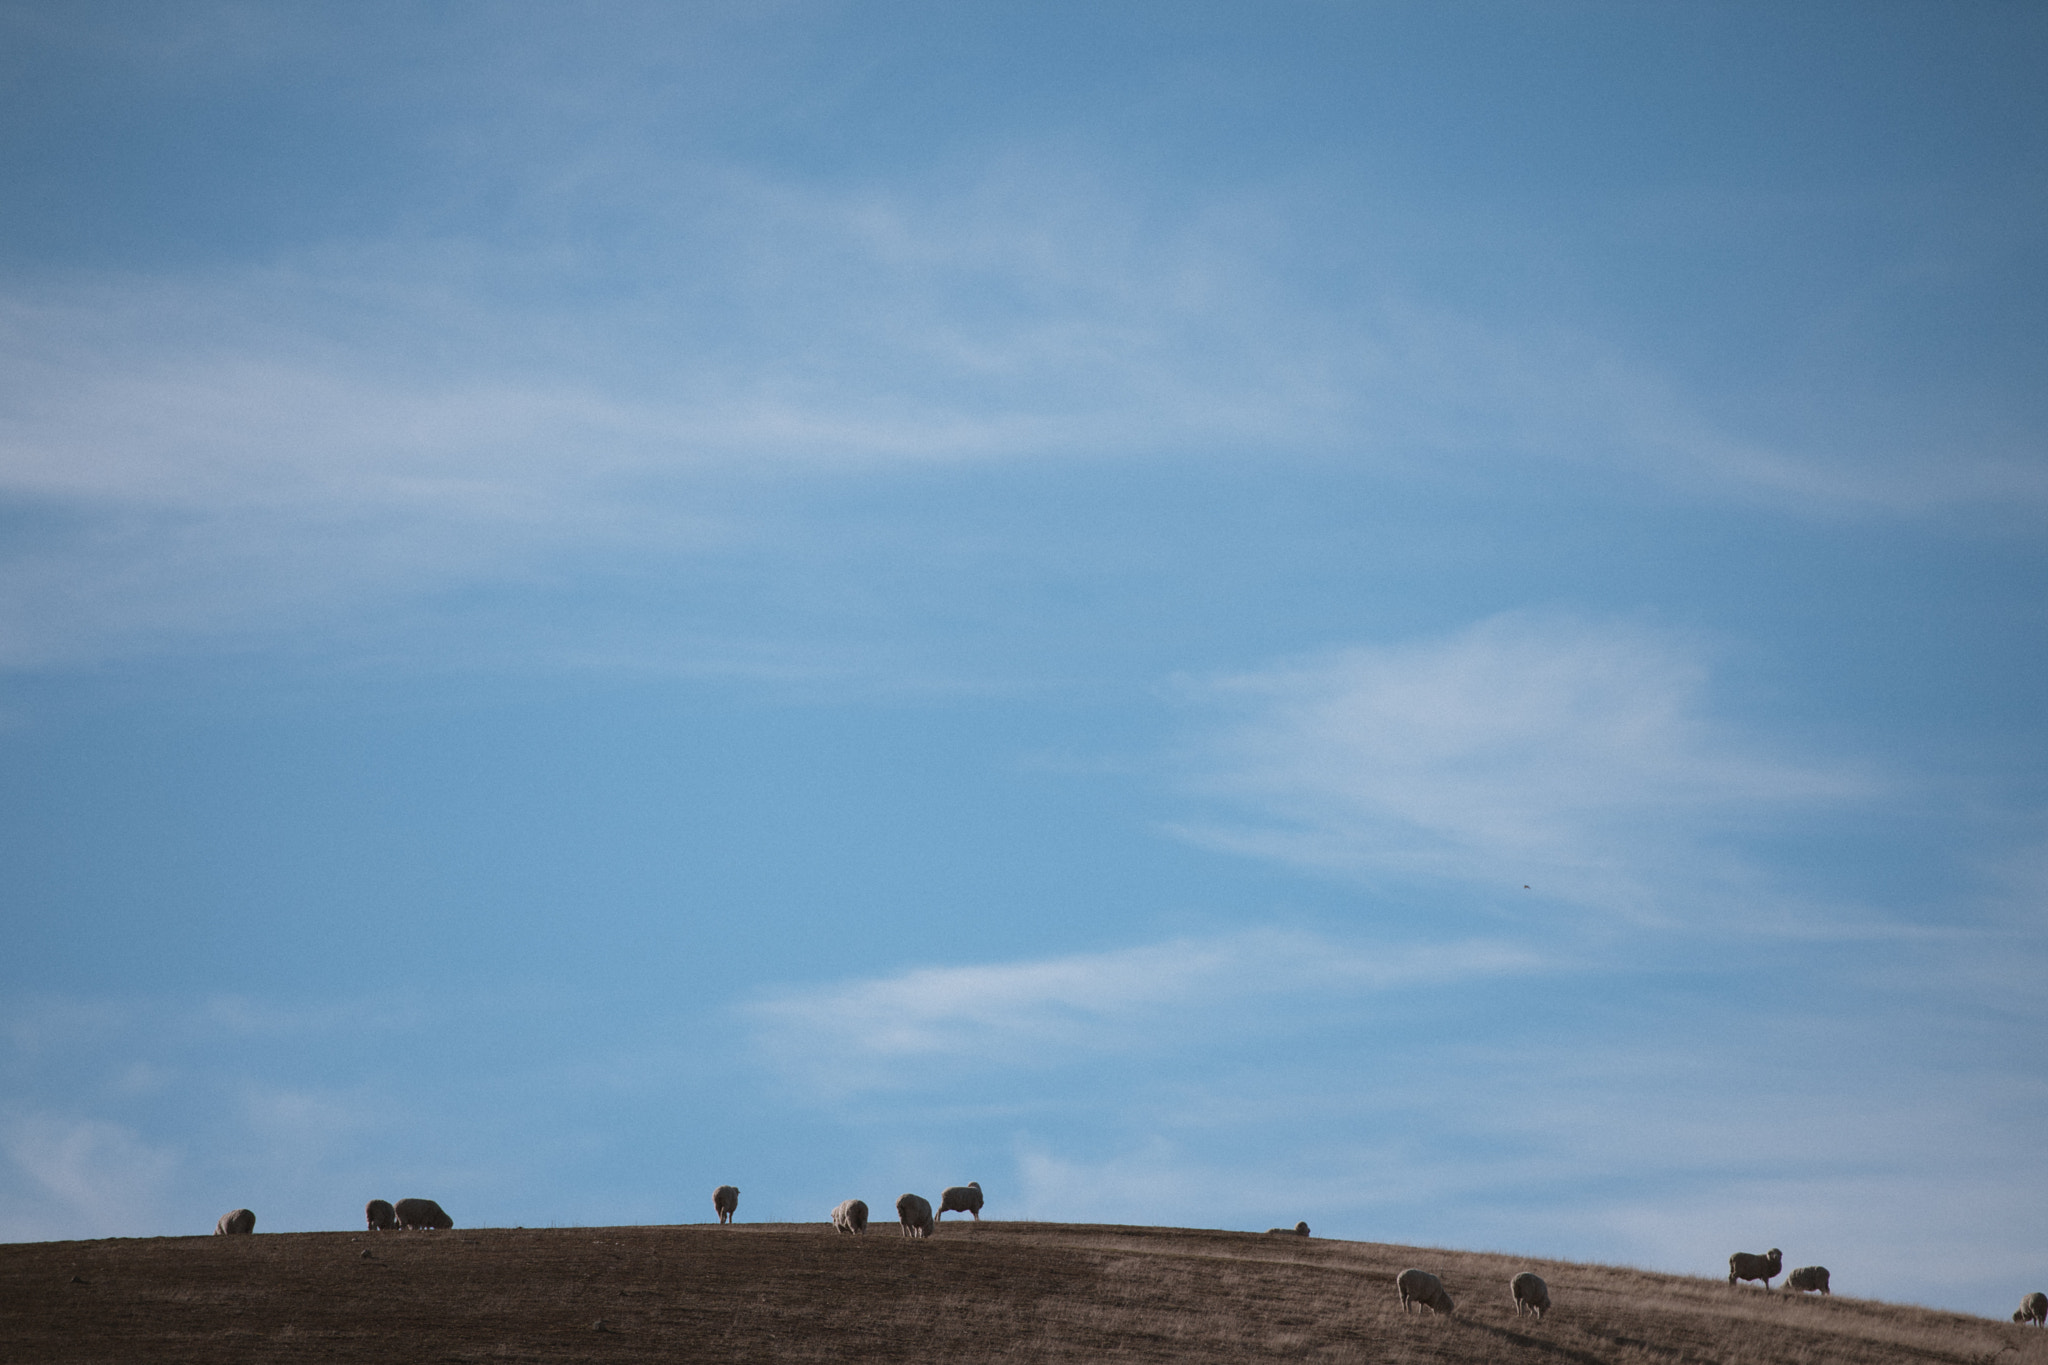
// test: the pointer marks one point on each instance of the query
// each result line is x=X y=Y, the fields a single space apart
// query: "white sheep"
x=726 y=1200
x=962 y=1199
x=851 y=1215
x=1747 y=1265
x=421 y=1213
x=1809 y=1279
x=914 y=1212
x=2034 y=1309
x=379 y=1214
x=1531 y=1294
x=235 y=1220
x=1424 y=1289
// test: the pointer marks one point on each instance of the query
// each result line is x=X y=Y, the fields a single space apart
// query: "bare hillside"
x=996 y=1291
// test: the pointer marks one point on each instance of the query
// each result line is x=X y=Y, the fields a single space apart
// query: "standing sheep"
x=1744 y=1265
x=1809 y=1278
x=1422 y=1288
x=1531 y=1294
x=2034 y=1309
x=380 y=1215
x=726 y=1200
x=914 y=1212
x=851 y=1215
x=962 y=1199
x=235 y=1221
x=414 y=1214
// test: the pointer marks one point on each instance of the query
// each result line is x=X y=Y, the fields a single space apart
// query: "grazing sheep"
x=962 y=1199
x=1531 y=1294
x=851 y=1215
x=914 y=1212
x=2034 y=1309
x=380 y=1215
x=1422 y=1288
x=1744 y=1265
x=725 y=1199
x=1809 y=1277
x=421 y=1213
x=1298 y=1230
x=235 y=1220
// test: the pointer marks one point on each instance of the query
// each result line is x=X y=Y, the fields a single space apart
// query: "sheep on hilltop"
x=850 y=1215
x=726 y=1201
x=1424 y=1289
x=421 y=1213
x=1746 y=1265
x=1298 y=1230
x=914 y=1213
x=1809 y=1279
x=962 y=1199
x=379 y=1214
x=1531 y=1294
x=235 y=1221
x=2034 y=1309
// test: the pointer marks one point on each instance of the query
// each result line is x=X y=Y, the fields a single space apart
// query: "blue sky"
x=1424 y=617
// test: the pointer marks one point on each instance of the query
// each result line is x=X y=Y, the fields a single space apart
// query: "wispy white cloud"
x=810 y=331
x=211 y=456
x=150 y=1116
x=1575 y=756
x=1492 y=392
x=73 y=1177
x=222 y=452
x=888 y=1032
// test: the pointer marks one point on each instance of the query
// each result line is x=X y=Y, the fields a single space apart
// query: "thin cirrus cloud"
x=1573 y=755
x=205 y=453
x=149 y=1115
x=890 y=1032
x=87 y=1176
x=817 y=331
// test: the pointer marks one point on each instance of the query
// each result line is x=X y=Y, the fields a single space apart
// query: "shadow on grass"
x=1523 y=1339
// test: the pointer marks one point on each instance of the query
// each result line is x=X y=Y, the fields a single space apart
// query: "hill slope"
x=997 y=1291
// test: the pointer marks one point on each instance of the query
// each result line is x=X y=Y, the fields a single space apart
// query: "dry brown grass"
x=993 y=1291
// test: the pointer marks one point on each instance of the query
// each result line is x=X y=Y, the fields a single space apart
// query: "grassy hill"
x=996 y=1291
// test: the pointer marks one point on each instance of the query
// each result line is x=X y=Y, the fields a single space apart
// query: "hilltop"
x=993 y=1291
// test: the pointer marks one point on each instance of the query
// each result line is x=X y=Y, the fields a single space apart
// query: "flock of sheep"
x=1531 y=1295
x=913 y=1211
x=1419 y=1288
x=382 y=1214
x=914 y=1217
